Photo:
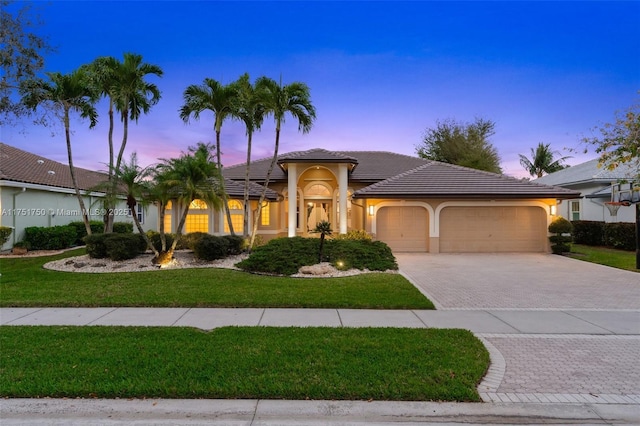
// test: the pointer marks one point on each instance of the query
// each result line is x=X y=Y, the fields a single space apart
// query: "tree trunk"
x=225 y=200
x=131 y=203
x=165 y=256
x=266 y=185
x=109 y=204
x=72 y=170
x=245 y=220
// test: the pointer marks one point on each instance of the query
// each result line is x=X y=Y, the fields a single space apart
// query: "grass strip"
x=241 y=362
x=620 y=259
x=24 y=283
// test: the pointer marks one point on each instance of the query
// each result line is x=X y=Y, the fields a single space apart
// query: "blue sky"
x=380 y=73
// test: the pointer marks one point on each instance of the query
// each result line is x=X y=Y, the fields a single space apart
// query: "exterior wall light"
x=553 y=209
x=371 y=210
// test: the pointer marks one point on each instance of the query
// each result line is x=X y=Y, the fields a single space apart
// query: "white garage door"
x=404 y=229
x=493 y=229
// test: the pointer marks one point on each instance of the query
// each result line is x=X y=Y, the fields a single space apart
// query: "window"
x=575 y=210
x=167 y=216
x=265 y=215
x=197 y=218
x=140 y=213
x=237 y=216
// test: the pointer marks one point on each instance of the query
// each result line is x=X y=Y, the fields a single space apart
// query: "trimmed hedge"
x=115 y=246
x=588 y=232
x=49 y=238
x=211 y=247
x=188 y=241
x=616 y=235
x=96 y=228
x=285 y=256
x=560 y=243
x=620 y=235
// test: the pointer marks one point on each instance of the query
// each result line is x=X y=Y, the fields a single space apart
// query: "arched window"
x=317 y=190
x=167 y=216
x=237 y=217
x=198 y=217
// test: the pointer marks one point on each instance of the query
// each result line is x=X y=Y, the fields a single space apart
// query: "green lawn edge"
x=614 y=258
x=25 y=283
x=241 y=362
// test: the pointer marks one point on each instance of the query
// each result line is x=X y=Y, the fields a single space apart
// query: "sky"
x=380 y=73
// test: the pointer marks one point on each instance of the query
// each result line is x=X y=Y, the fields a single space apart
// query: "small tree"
x=562 y=229
x=323 y=228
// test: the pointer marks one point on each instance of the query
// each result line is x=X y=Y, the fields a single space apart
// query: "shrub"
x=560 y=242
x=5 y=233
x=123 y=246
x=96 y=247
x=157 y=242
x=620 y=235
x=236 y=244
x=96 y=228
x=283 y=256
x=354 y=234
x=123 y=227
x=361 y=254
x=211 y=247
x=188 y=241
x=588 y=232
x=50 y=238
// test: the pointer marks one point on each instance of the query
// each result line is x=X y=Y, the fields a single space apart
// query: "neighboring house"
x=36 y=191
x=410 y=203
x=594 y=185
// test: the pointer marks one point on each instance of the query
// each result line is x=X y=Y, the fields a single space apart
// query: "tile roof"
x=235 y=189
x=394 y=175
x=437 y=180
x=372 y=166
x=21 y=166
x=589 y=172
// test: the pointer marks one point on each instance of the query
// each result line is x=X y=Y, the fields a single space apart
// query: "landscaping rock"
x=319 y=269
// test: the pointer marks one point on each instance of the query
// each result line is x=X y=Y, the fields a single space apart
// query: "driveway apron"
x=596 y=309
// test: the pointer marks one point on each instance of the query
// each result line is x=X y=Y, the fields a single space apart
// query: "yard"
x=25 y=283
x=605 y=256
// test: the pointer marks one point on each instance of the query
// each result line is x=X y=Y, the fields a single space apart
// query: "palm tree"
x=542 y=161
x=129 y=94
x=194 y=175
x=323 y=228
x=279 y=100
x=66 y=93
x=251 y=113
x=134 y=179
x=221 y=100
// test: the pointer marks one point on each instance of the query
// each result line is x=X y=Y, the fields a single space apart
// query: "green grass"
x=241 y=362
x=25 y=283
x=605 y=256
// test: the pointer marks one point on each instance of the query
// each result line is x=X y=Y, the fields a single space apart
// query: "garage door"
x=404 y=229
x=493 y=229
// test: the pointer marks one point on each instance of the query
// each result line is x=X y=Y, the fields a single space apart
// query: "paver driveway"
x=520 y=281
x=584 y=366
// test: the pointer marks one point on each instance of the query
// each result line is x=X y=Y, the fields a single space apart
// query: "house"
x=410 y=203
x=36 y=191
x=593 y=182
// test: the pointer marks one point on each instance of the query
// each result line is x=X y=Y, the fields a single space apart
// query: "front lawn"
x=241 y=362
x=25 y=283
x=605 y=256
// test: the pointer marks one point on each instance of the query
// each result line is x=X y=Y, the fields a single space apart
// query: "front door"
x=317 y=211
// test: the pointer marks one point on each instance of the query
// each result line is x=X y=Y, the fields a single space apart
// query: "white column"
x=343 y=184
x=292 y=190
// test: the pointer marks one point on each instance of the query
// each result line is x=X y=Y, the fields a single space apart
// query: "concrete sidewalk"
x=563 y=322
x=88 y=412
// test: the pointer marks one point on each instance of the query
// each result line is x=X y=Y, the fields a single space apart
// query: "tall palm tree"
x=221 y=100
x=124 y=84
x=134 y=179
x=193 y=175
x=251 y=113
x=279 y=101
x=66 y=93
x=542 y=161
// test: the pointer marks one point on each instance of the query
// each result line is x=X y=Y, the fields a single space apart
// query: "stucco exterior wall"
x=28 y=205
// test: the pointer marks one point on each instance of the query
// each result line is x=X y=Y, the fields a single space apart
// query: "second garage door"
x=493 y=229
x=404 y=229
